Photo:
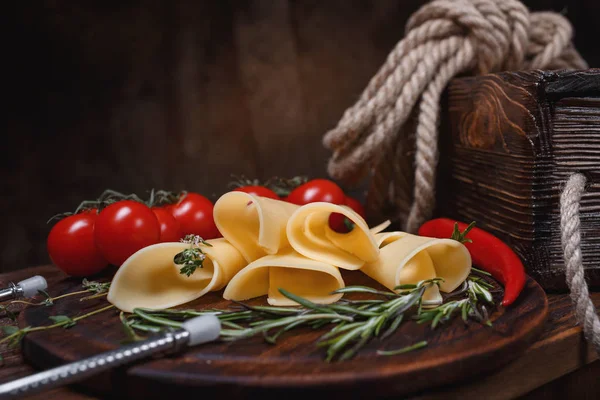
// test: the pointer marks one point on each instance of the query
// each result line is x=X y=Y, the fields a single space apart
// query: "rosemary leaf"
x=354 y=349
x=392 y=328
x=304 y=302
x=342 y=327
x=480 y=271
x=129 y=332
x=341 y=341
x=403 y=350
x=363 y=289
x=156 y=320
x=273 y=339
x=405 y=286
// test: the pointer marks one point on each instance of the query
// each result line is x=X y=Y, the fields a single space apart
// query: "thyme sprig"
x=97 y=289
x=14 y=334
x=193 y=258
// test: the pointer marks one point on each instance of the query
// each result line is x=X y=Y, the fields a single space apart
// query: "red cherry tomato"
x=341 y=224
x=258 y=191
x=317 y=190
x=71 y=245
x=169 y=226
x=195 y=216
x=123 y=228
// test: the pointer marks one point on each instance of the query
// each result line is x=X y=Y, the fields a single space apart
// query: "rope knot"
x=496 y=30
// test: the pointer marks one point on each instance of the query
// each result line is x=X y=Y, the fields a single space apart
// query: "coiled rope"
x=443 y=39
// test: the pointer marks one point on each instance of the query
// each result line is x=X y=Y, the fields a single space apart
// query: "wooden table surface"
x=559 y=364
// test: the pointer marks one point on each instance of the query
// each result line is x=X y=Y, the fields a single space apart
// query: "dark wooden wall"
x=173 y=94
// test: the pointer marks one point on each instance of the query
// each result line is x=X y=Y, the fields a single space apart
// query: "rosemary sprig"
x=193 y=258
x=472 y=307
x=352 y=323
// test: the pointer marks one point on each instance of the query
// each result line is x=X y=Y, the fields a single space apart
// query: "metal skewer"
x=193 y=332
x=24 y=289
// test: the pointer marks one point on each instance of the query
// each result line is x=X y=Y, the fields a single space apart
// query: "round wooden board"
x=252 y=367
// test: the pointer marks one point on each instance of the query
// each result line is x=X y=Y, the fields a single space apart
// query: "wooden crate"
x=508 y=143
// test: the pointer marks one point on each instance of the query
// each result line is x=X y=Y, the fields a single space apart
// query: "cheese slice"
x=381 y=227
x=407 y=259
x=313 y=280
x=151 y=279
x=309 y=234
x=255 y=225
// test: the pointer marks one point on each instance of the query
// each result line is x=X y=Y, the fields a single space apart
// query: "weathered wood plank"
x=511 y=141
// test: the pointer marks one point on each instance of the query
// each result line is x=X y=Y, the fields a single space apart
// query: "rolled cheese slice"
x=151 y=279
x=310 y=235
x=406 y=259
x=255 y=225
x=313 y=280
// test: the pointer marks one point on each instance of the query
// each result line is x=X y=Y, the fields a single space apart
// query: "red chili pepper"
x=487 y=251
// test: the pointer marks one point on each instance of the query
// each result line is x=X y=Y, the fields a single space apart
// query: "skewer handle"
x=196 y=331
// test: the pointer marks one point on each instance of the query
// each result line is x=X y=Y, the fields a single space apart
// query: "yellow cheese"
x=408 y=259
x=313 y=280
x=381 y=227
x=150 y=278
x=255 y=225
x=309 y=234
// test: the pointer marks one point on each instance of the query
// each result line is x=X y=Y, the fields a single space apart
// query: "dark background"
x=178 y=95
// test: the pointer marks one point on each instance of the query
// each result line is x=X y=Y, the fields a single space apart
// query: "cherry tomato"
x=317 y=190
x=123 y=228
x=341 y=224
x=195 y=216
x=71 y=245
x=169 y=226
x=258 y=191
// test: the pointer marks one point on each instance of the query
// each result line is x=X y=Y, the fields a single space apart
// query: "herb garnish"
x=352 y=323
x=470 y=307
x=191 y=259
x=462 y=236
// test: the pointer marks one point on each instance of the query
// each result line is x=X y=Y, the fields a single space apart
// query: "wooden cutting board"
x=251 y=367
